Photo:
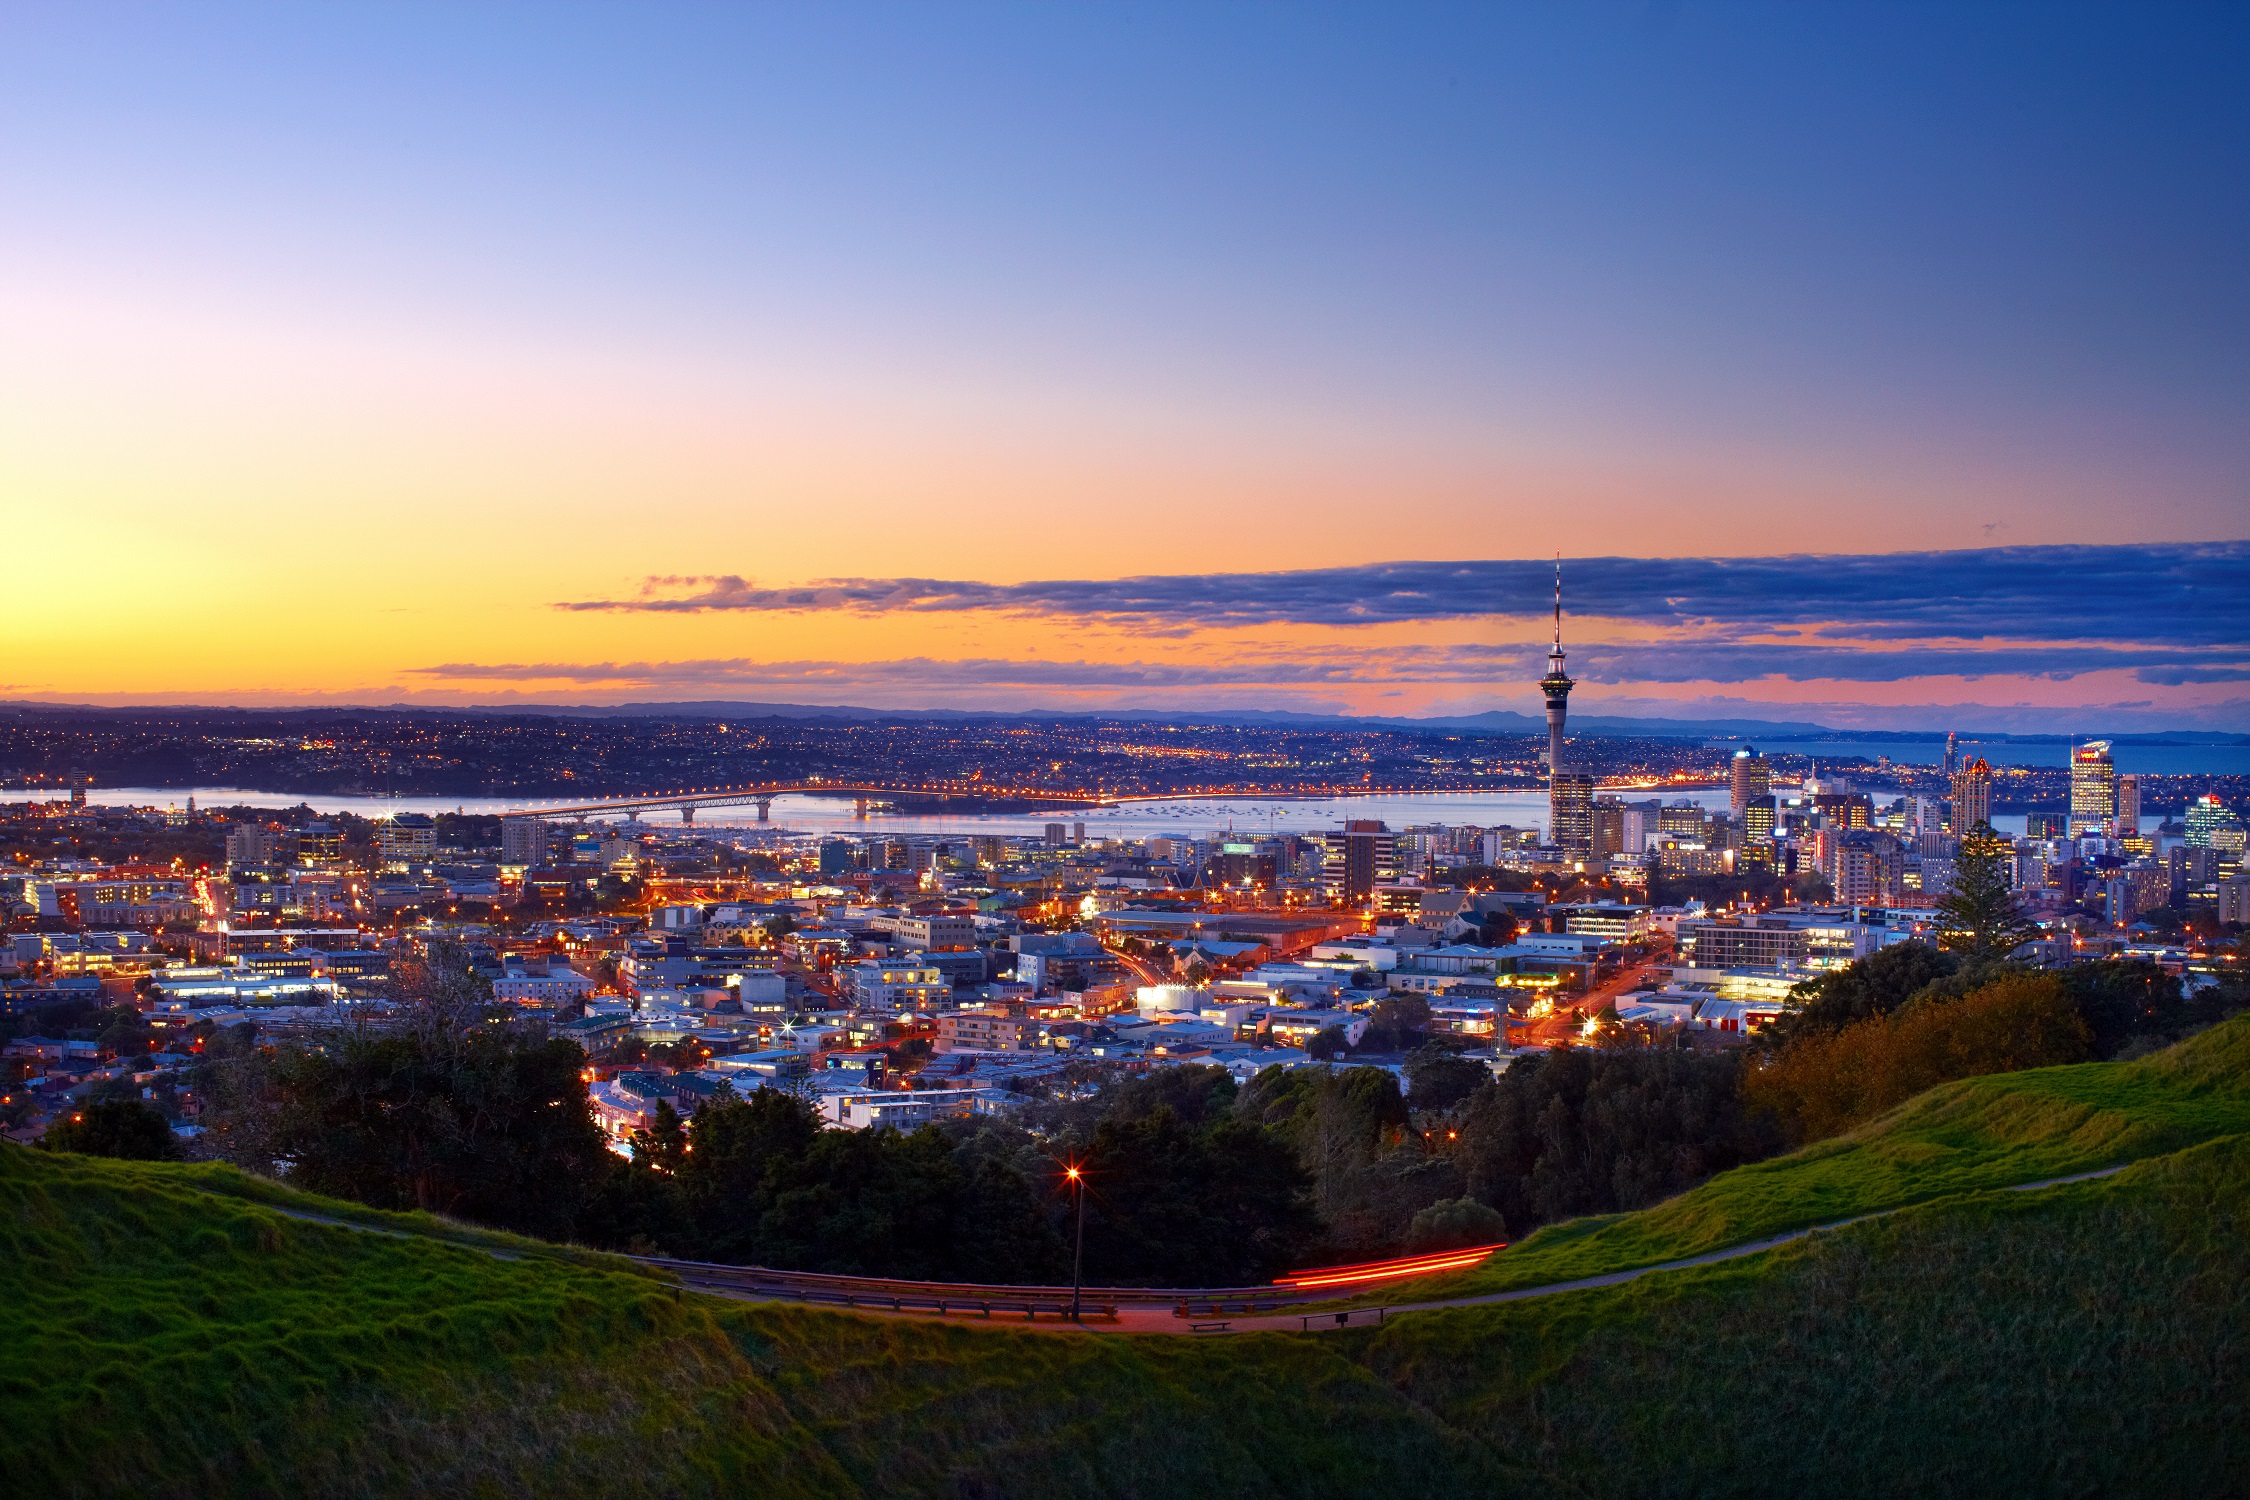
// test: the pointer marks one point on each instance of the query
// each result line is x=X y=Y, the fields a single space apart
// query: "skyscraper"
x=1608 y=828
x=2128 y=806
x=1570 y=803
x=1758 y=819
x=523 y=841
x=1952 y=760
x=2210 y=825
x=1356 y=860
x=1972 y=796
x=1751 y=778
x=2093 y=788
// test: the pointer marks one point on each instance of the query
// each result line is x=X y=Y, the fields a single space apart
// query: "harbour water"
x=1189 y=817
x=2147 y=760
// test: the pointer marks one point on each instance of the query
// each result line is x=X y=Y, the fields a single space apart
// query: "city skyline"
x=992 y=359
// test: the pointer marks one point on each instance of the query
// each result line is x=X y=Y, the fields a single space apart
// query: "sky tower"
x=1570 y=798
x=1556 y=685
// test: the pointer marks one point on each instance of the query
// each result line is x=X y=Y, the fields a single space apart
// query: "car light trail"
x=1390 y=1270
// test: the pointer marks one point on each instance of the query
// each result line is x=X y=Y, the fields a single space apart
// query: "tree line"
x=1191 y=1178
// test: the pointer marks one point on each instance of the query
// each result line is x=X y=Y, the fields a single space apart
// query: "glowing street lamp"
x=1078 y=1253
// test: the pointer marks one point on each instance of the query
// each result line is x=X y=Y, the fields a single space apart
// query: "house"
x=985 y=1031
x=521 y=986
x=864 y=1109
x=1297 y=1027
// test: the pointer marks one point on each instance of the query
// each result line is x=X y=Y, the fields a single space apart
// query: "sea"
x=1188 y=817
x=2147 y=760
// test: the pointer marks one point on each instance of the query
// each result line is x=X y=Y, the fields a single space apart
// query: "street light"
x=1078 y=1252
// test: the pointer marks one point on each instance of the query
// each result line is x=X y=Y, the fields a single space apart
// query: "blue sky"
x=1005 y=295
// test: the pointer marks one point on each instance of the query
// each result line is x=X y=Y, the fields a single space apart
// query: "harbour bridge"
x=761 y=795
x=864 y=792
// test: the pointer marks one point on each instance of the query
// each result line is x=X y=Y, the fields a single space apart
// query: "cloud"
x=2180 y=595
x=1509 y=667
x=902 y=672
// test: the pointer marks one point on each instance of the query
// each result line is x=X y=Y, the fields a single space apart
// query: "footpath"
x=1152 y=1318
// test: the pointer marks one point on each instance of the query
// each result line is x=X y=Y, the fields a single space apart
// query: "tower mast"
x=1556 y=685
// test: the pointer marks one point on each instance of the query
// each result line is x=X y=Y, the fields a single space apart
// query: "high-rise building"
x=1868 y=868
x=1642 y=823
x=255 y=844
x=406 y=840
x=2128 y=806
x=1057 y=835
x=1751 y=777
x=523 y=841
x=1608 y=828
x=2207 y=818
x=319 y=843
x=1952 y=756
x=2093 y=788
x=1355 y=860
x=1570 y=801
x=1758 y=817
x=835 y=856
x=1972 y=796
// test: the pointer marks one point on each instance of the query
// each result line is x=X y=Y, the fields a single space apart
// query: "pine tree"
x=1981 y=922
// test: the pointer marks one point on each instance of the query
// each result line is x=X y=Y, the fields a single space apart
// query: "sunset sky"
x=1886 y=366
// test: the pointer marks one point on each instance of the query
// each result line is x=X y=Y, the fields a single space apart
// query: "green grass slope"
x=173 y=1332
x=1979 y=1133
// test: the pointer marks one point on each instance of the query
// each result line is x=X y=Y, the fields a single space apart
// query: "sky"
x=1886 y=366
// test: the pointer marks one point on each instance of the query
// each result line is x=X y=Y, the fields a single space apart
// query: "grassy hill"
x=1978 y=1133
x=187 y=1331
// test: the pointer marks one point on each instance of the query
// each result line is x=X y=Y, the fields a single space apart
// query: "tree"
x=1821 y=1085
x=1981 y=922
x=744 y=1151
x=1591 y=1131
x=482 y=1122
x=1400 y=1023
x=1872 y=986
x=122 y=1128
x=1172 y=1205
x=664 y=1145
x=1454 y=1223
x=1437 y=1079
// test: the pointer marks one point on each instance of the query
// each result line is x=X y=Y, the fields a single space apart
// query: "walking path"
x=1151 y=1317
x=1147 y=1319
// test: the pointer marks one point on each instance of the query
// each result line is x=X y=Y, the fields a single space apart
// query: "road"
x=1144 y=1310
x=1154 y=1317
x=1565 y=1028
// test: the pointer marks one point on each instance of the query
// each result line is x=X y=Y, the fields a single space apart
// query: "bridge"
x=761 y=796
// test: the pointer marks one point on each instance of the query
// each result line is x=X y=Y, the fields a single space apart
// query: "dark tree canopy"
x=482 y=1124
x=123 y=1128
x=1875 y=985
x=1589 y=1131
x=1438 y=1079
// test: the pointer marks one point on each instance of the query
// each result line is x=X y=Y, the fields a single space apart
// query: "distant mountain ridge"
x=1492 y=721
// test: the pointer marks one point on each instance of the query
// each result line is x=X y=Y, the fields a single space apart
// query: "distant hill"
x=1496 y=721
x=188 y=1331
